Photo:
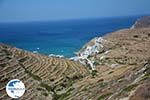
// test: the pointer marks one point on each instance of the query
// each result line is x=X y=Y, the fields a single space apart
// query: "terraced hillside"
x=44 y=77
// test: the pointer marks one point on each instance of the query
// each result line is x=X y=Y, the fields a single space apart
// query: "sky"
x=38 y=10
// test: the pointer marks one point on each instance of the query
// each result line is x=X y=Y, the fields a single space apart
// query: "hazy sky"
x=29 y=10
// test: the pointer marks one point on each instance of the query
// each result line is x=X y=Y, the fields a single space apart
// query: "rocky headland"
x=113 y=67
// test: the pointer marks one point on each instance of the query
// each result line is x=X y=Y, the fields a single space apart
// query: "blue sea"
x=64 y=37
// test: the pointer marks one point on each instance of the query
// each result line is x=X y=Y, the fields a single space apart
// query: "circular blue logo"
x=15 y=88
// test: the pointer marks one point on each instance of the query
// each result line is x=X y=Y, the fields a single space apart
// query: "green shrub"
x=94 y=73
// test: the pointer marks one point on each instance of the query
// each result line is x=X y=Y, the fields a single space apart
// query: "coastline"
x=95 y=46
x=60 y=38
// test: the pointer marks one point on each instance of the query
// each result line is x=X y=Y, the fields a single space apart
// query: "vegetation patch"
x=121 y=77
x=62 y=96
x=146 y=72
x=129 y=88
x=36 y=77
x=110 y=72
x=45 y=94
x=96 y=63
x=94 y=73
x=23 y=59
x=40 y=89
x=146 y=76
x=120 y=80
x=69 y=80
x=86 y=89
x=47 y=87
x=102 y=97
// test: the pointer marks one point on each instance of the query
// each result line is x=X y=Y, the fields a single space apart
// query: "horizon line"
x=70 y=19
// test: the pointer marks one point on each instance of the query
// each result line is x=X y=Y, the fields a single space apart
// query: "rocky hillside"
x=113 y=67
x=142 y=22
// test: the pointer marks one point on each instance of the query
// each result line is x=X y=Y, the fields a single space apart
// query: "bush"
x=94 y=73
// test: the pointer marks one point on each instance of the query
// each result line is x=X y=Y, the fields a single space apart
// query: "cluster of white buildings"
x=88 y=51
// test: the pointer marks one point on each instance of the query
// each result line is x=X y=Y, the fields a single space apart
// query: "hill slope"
x=44 y=77
x=122 y=67
x=122 y=64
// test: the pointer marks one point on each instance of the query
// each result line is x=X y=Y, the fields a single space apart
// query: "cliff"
x=120 y=63
x=142 y=22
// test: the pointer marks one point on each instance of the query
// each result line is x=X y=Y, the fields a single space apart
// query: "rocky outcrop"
x=141 y=93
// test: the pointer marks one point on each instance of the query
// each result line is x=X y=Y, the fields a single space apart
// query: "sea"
x=60 y=37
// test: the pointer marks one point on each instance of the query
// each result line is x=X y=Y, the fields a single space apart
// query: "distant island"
x=113 y=67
